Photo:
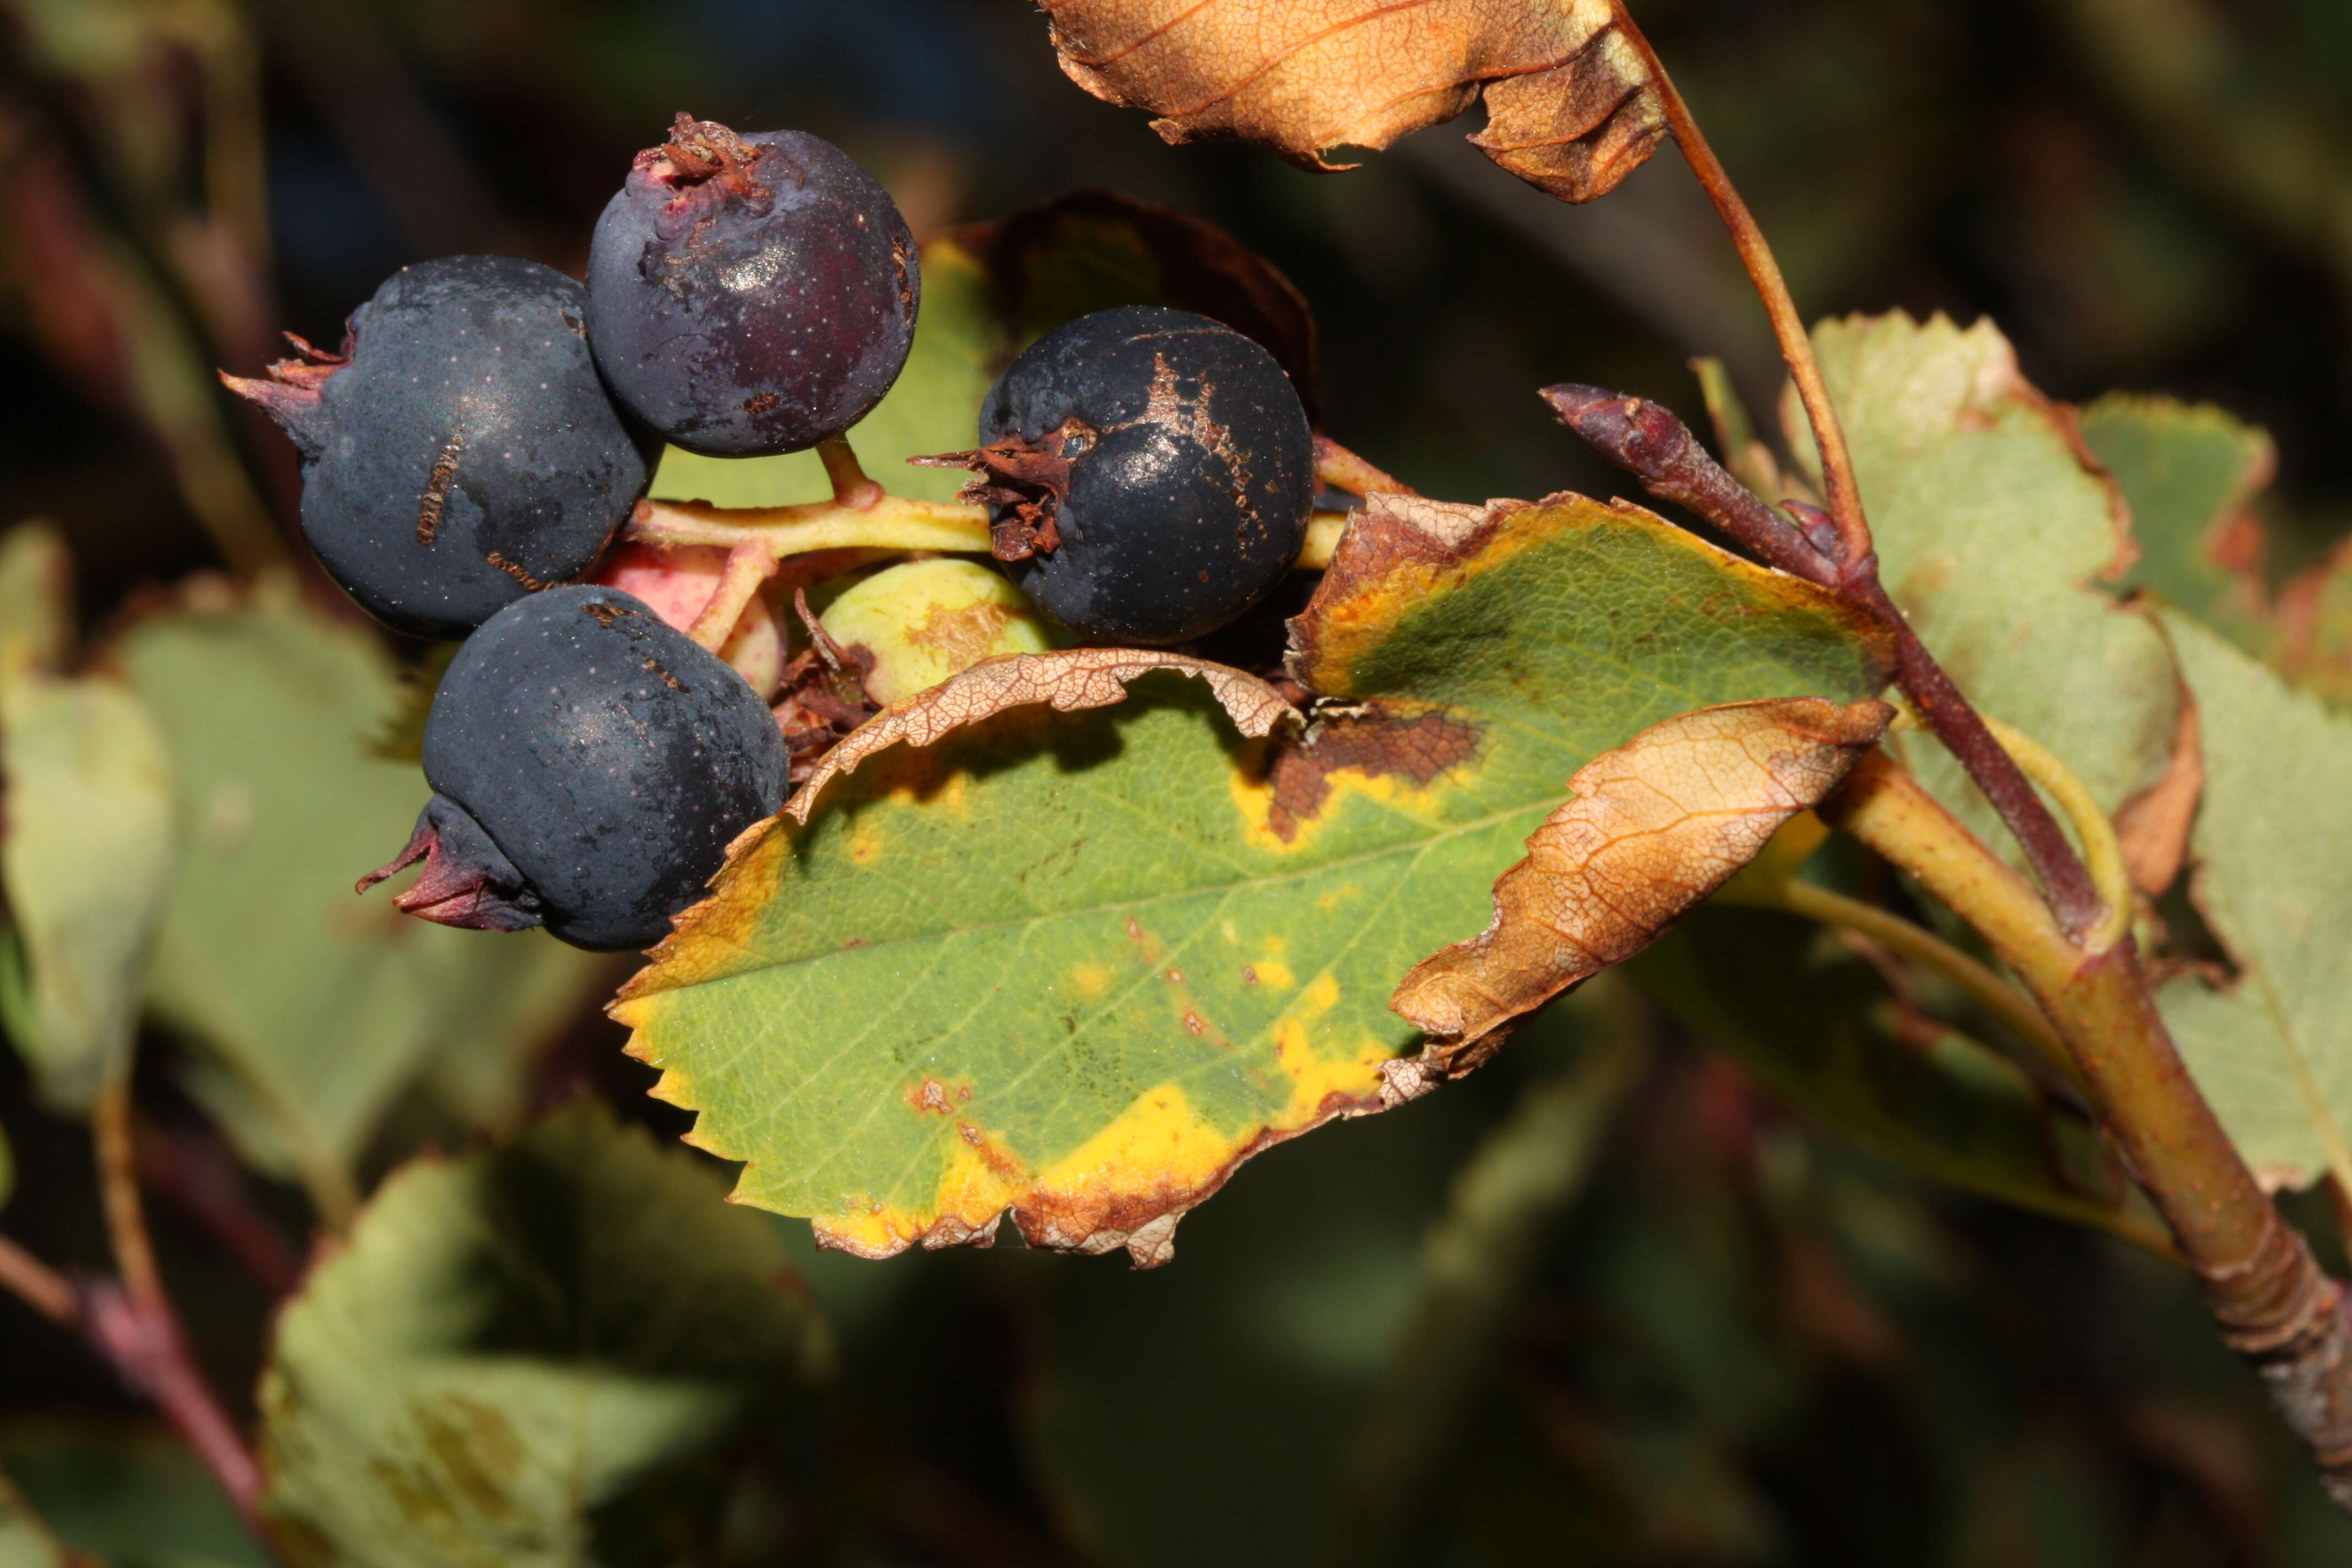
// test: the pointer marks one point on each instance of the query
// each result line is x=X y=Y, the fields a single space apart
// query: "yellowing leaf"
x=1078 y=965
x=1571 y=104
x=1650 y=829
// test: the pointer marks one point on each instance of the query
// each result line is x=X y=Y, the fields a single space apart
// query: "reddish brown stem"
x=142 y=1343
x=1646 y=440
x=1338 y=469
x=2274 y=1304
x=1764 y=270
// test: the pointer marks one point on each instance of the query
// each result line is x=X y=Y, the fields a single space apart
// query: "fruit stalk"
x=2274 y=1306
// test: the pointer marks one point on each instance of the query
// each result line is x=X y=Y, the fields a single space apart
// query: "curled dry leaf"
x=1069 y=681
x=1652 y=828
x=1572 y=99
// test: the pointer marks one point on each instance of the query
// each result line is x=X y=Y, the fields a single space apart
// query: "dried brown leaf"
x=1651 y=828
x=1068 y=681
x=1572 y=101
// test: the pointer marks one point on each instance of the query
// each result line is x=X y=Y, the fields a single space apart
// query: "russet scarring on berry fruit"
x=459 y=450
x=1148 y=474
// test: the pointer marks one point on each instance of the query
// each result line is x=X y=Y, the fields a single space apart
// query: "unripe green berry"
x=921 y=621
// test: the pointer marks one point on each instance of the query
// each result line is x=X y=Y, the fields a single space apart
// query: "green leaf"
x=25 y=1541
x=2273 y=849
x=89 y=843
x=961 y=343
x=1993 y=533
x=518 y=1353
x=129 y=1496
x=318 y=1007
x=1811 y=1025
x=1080 y=964
x=2189 y=472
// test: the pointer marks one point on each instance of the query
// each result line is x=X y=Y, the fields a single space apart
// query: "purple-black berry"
x=590 y=766
x=750 y=295
x=460 y=450
x=1148 y=473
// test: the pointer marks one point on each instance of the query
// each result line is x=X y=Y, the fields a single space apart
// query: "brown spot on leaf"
x=1371 y=744
x=931 y=1095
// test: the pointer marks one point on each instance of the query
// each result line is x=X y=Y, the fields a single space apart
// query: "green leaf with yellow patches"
x=1995 y=532
x=1077 y=961
x=516 y=1354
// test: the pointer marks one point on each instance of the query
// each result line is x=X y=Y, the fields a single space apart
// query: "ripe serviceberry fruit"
x=590 y=766
x=460 y=451
x=749 y=295
x=910 y=627
x=1148 y=473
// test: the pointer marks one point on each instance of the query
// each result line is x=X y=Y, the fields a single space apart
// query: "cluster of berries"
x=487 y=425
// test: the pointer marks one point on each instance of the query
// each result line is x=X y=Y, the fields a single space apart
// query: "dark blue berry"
x=590 y=766
x=460 y=451
x=1148 y=473
x=750 y=295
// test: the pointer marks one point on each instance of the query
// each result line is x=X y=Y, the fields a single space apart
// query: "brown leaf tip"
x=1649 y=830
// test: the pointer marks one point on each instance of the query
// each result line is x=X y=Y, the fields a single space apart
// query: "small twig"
x=852 y=491
x=892 y=522
x=2274 y=1304
x=1338 y=469
x=1764 y=270
x=134 y=1324
x=118 y=1184
x=748 y=563
x=1922 y=946
x=143 y=1344
x=1648 y=441
x=40 y=1287
x=193 y=1173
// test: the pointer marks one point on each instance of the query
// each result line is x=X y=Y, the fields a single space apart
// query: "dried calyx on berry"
x=590 y=766
x=460 y=450
x=749 y=295
x=1148 y=474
